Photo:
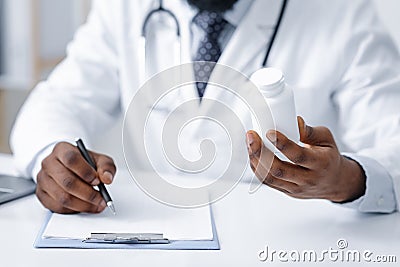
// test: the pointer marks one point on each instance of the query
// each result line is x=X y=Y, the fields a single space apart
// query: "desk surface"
x=246 y=224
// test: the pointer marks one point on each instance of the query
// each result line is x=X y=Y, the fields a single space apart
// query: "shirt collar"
x=235 y=15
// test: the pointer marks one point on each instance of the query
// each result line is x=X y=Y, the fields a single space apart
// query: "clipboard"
x=104 y=243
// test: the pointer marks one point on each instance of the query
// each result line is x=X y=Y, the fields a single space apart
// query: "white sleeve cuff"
x=379 y=194
x=37 y=161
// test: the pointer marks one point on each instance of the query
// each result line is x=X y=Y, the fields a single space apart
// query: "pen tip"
x=111 y=206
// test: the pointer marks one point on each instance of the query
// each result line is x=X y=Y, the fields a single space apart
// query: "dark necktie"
x=212 y=24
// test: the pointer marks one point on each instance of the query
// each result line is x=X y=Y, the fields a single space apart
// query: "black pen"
x=102 y=188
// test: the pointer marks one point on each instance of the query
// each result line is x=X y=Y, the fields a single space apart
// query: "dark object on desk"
x=12 y=188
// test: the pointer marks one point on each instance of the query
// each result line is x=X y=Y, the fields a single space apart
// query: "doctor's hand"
x=317 y=170
x=65 y=182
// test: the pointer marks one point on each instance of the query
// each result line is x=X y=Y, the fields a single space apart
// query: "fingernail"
x=271 y=136
x=96 y=181
x=108 y=177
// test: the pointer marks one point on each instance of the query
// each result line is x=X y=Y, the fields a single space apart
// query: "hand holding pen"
x=65 y=181
x=102 y=188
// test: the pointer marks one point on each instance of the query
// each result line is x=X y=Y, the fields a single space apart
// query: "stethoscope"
x=178 y=45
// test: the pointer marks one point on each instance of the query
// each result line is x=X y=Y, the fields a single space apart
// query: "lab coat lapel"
x=252 y=35
x=184 y=14
x=247 y=47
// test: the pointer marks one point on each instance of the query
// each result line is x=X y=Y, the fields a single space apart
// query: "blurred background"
x=35 y=33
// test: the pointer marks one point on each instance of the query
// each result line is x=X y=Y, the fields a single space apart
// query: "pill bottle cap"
x=270 y=81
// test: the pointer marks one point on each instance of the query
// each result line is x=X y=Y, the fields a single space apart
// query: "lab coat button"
x=381 y=201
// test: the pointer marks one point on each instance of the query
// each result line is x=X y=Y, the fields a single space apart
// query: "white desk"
x=245 y=224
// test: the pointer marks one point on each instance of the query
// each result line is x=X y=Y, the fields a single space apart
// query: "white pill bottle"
x=279 y=96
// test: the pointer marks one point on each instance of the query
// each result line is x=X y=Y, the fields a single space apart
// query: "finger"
x=260 y=155
x=275 y=170
x=302 y=127
x=301 y=156
x=254 y=143
x=51 y=204
x=105 y=167
x=289 y=172
x=264 y=171
x=317 y=136
x=72 y=159
x=47 y=201
x=72 y=184
x=279 y=184
x=66 y=200
x=257 y=149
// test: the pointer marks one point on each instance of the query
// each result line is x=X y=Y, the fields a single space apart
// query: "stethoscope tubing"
x=161 y=9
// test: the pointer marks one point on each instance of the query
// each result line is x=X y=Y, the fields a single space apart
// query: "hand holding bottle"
x=316 y=170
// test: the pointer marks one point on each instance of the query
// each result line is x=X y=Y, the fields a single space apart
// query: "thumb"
x=105 y=167
x=317 y=136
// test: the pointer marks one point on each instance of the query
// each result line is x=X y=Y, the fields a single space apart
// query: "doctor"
x=343 y=66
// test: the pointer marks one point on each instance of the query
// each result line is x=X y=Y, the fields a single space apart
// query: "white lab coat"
x=343 y=67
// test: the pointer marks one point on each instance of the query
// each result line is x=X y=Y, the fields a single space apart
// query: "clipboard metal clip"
x=126 y=238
